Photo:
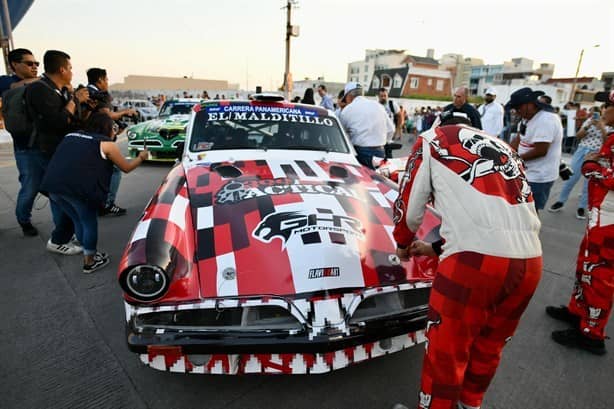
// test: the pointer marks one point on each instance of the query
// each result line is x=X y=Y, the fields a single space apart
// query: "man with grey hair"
x=460 y=104
x=367 y=124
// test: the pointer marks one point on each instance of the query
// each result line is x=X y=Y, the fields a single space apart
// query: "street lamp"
x=291 y=31
x=575 y=79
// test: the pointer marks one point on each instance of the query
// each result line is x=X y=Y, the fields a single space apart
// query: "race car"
x=162 y=135
x=268 y=249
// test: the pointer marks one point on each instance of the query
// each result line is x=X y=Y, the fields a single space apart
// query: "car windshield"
x=263 y=127
x=174 y=108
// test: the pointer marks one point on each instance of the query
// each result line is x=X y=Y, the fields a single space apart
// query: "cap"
x=350 y=86
x=491 y=91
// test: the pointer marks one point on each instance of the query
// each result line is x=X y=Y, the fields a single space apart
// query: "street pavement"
x=62 y=342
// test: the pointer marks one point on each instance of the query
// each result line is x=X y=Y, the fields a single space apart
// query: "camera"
x=565 y=171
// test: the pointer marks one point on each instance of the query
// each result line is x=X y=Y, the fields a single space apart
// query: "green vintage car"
x=162 y=135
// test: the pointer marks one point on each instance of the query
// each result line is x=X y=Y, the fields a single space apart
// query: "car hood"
x=292 y=227
x=170 y=122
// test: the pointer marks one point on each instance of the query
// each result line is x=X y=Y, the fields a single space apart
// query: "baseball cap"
x=491 y=91
x=605 y=96
x=351 y=86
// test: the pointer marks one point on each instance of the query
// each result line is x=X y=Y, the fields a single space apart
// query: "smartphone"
x=596 y=116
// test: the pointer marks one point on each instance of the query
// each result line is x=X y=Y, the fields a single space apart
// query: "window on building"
x=366 y=68
x=429 y=82
x=386 y=81
x=439 y=86
x=414 y=82
x=366 y=78
x=398 y=81
x=375 y=82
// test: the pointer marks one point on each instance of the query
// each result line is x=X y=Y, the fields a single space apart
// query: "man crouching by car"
x=100 y=101
x=490 y=257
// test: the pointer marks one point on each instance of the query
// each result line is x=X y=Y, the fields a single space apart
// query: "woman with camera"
x=591 y=135
x=78 y=176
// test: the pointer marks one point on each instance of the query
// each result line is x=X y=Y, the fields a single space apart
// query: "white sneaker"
x=68 y=249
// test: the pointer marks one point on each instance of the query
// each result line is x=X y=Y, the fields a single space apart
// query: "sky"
x=242 y=41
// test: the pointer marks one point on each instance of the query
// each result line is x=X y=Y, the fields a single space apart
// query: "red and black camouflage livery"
x=312 y=237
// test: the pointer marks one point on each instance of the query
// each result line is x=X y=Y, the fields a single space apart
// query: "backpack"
x=16 y=118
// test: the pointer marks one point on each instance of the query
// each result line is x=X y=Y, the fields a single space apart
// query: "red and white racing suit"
x=592 y=297
x=491 y=260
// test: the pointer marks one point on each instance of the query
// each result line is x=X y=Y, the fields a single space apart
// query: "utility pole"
x=291 y=31
x=575 y=79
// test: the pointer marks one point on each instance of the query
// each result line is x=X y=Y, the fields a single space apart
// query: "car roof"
x=184 y=100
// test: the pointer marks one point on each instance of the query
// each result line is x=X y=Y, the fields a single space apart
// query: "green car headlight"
x=131 y=134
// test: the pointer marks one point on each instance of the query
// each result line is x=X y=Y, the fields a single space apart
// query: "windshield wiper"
x=303 y=148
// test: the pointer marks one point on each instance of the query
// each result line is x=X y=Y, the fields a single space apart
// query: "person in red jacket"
x=490 y=258
x=590 y=305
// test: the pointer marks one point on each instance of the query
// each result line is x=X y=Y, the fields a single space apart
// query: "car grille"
x=169 y=133
x=150 y=142
x=249 y=318
x=412 y=302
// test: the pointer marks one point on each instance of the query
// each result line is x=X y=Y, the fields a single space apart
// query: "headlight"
x=146 y=282
x=131 y=134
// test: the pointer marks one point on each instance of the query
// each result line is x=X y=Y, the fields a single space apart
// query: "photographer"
x=77 y=180
x=100 y=101
x=52 y=105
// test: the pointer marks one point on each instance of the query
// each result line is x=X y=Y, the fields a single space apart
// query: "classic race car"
x=268 y=249
x=164 y=134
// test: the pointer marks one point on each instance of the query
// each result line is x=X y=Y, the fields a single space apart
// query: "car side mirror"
x=179 y=149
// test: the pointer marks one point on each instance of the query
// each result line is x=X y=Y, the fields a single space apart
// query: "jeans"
x=84 y=218
x=365 y=155
x=576 y=165
x=116 y=177
x=541 y=191
x=31 y=165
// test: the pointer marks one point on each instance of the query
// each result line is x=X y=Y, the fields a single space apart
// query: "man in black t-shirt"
x=460 y=105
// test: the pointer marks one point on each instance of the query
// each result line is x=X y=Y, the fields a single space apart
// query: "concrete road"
x=62 y=333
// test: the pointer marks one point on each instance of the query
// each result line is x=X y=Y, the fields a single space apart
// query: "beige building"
x=147 y=83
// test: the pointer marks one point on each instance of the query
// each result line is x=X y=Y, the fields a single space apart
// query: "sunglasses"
x=31 y=63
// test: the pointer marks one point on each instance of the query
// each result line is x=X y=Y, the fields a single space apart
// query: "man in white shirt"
x=491 y=114
x=366 y=123
x=540 y=145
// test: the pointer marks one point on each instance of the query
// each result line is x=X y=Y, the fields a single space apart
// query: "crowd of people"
x=488 y=193
x=64 y=144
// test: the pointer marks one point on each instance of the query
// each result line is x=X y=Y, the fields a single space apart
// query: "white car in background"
x=144 y=108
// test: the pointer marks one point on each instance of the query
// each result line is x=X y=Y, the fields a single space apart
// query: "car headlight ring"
x=146 y=282
x=131 y=134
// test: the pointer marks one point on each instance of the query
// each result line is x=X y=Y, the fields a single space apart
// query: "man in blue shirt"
x=327 y=101
x=24 y=66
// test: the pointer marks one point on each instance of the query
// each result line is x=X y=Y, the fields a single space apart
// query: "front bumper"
x=173 y=359
x=312 y=337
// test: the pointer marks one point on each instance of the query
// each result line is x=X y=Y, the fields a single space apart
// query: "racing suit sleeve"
x=414 y=193
x=599 y=173
x=604 y=176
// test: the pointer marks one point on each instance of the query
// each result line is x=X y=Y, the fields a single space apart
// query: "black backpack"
x=17 y=119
